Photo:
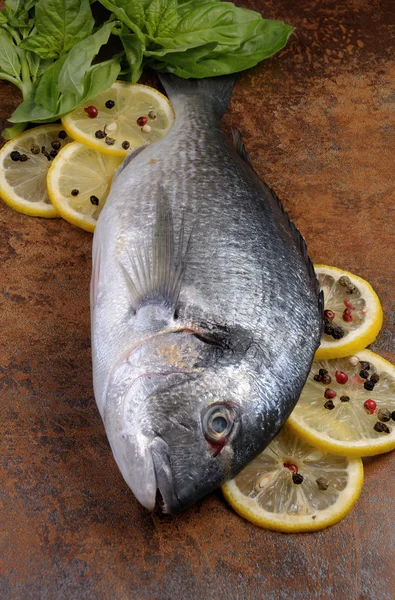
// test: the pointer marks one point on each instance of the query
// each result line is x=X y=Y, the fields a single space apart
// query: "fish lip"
x=164 y=476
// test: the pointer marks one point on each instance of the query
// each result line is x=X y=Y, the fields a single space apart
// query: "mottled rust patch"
x=318 y=121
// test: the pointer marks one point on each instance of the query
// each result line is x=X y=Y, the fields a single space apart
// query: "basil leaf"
x=44 y=45
x=47 y=92
x=209 y=22
x=3 y=18
x=98 y=78
x=28 y=110
x=134 y=50
x=37 y=65
x=267 y=38
x=9 y=59
x=132 y=13
x=67 y=21
x=161 y=18
x=80 y=58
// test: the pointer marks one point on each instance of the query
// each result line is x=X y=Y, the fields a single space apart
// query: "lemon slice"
x=356 y=417
x=78 y=183
x=293 y=487
x=118 y=110
x=353 y=313
x=23 y=182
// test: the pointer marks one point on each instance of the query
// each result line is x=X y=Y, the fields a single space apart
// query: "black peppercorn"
x=94 y=200
x=62 y=135
x=297 y=478
x=56 y=145
x=75 y=192
x=364 y=374
x=375 y=378
x=126 y=145
x=338 y=333
x=329 y=405
x=344 y=398
x=99 y=134
x=368 y=385
x=15 y=156
x=381 y=427
x=110 y=104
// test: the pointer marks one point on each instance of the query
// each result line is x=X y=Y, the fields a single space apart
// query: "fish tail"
x=215 y=91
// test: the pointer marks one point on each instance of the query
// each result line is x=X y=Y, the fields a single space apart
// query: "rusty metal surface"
x=319 y=123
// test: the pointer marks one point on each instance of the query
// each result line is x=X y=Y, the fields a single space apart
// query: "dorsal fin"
x=156 y=267
x=298 y=238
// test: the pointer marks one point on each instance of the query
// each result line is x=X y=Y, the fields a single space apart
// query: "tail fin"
x=216 y=91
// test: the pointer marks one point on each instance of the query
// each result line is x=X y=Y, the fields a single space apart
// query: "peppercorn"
x=381 y=428
x=338 y=333
x=322 y=372
x=62 y=135
x=364 y=374
x=99 y=134
x=110 y=104
x=75 y=192
x=53 y=154
x=24 y=158
x=323 y=483
x=393 y=415
x=293 y=468
x=344 y=398
x=146 y=128
x=347 y=316
x=365 y=364
x=329 y=405
x=375 y=378
x=384 y=415
x=329 y=314
x=297 y=478
x=344 y=280
x=329 y=393
x=370 y=406
x=341 y=377
x=152 y=114
x=94 y=200
x=15 y=155
x=126 y=145
x=368 y=385
x=35 y=149
x=91 y=111
x=141 y=121
x=56 y=145
x=353 y=361
x=326 y=379
x=317 y=378
x=110 y=141
x=328 y=329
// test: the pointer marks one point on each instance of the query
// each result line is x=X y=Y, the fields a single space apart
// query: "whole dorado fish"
x=206 y=312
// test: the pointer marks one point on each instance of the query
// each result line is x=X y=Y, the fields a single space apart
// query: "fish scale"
x=203 y=300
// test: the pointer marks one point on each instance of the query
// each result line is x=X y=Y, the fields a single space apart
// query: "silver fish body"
x=205 y=308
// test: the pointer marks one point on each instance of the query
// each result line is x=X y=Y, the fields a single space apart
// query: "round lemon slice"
x=353 y=313
x=121 y=118
x=24 y=164
x=78 y=183
x=294 y=487
x=348 y=406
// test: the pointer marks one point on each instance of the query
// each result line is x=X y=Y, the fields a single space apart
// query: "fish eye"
x=217 y=423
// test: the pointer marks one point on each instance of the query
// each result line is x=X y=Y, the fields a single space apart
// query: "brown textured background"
x=318 y=120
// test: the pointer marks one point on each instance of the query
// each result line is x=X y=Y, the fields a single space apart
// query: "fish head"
x=183 y=415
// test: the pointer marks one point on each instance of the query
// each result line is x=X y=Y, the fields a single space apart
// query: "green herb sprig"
x=49 y=48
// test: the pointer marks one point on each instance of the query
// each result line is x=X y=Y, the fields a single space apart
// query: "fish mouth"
x=168 y=501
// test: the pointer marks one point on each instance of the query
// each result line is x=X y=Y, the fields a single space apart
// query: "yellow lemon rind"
x=370 y=329
x=354 y=449
x=16 y=202
x=91 y=142
x=287 y=523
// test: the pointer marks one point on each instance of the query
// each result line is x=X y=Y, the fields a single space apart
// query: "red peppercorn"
x=141 y=121
x=329 y=314
x=341 y=377
x=370 y=406
x=348 y=305
x=347 y=316
x=91 y=111
x=291 y=467
x=329 y=394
